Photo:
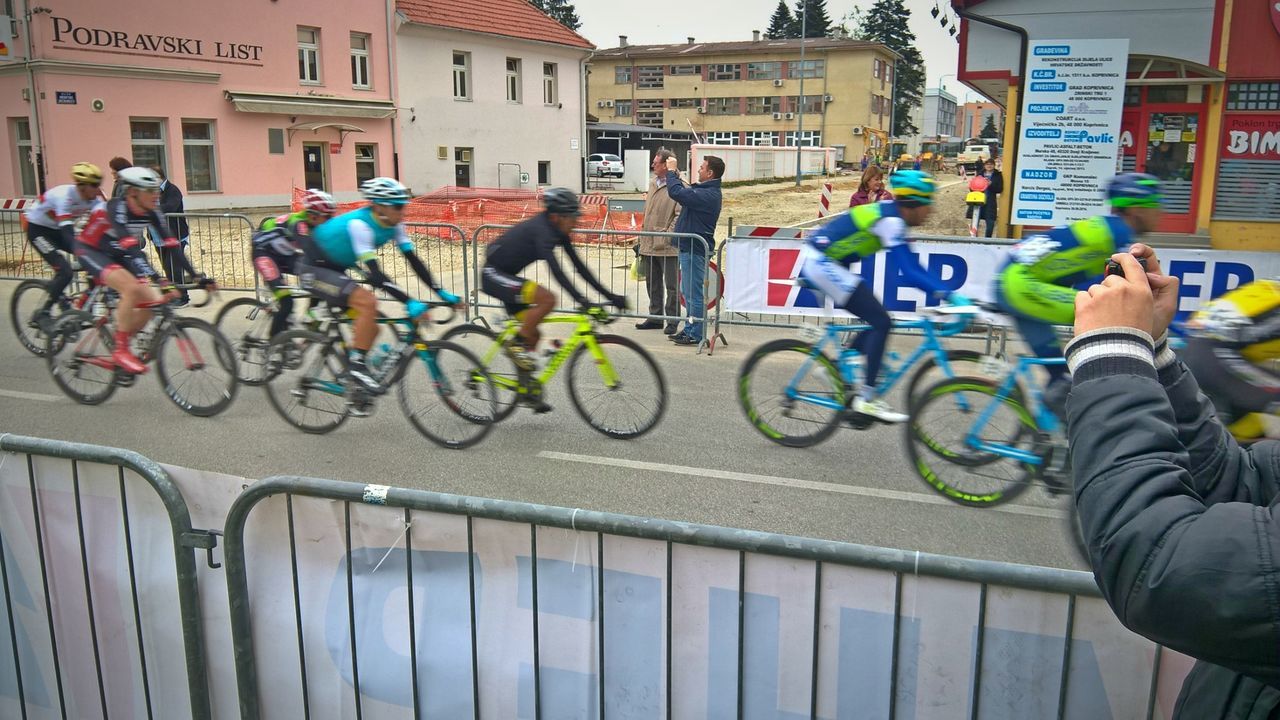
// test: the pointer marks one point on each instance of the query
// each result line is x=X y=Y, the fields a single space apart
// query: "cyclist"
x=110 y=249
x=1234 y=353
x=860 y=233
x=350 y=241
x=51 y=228
x=528 y=242
x=1038 y=282
x=278 y=243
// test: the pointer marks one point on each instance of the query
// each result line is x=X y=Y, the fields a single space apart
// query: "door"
x=313 y=165
x=1166 y=143
x=462 y=167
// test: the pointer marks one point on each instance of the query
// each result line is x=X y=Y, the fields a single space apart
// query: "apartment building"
x=750 y=93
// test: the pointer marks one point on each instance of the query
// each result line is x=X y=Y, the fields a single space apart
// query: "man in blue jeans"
x=699 y=213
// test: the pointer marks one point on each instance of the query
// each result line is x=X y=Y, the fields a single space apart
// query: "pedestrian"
x=658 y=254
x=871 y=189
x=917 y=163
x=172 y=209
x=865 y=161
x=1178 y=519
x=117 y=164
x=700 y=211
x=995 y=186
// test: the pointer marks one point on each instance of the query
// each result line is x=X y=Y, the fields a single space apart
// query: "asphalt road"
x=704 y=463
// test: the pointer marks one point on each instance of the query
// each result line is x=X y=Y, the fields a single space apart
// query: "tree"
x=816 y=21
x=886 y=23
x=561 y=11
x=989 y=130
x=851 y=25
x=781 y=23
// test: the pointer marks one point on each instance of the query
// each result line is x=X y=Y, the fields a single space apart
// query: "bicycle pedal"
x=124 y=379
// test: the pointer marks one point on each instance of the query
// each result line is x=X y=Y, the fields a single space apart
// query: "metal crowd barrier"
x=90 y=648
x=221 y=246
x=443 y=248
x=17 y=258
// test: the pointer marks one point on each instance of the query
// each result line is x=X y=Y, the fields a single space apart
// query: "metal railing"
x=55 y=519
x=221 y=246
x=443 y=248
x=17 y=258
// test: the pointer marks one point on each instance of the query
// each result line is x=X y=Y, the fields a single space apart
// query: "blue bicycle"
x=796 y=394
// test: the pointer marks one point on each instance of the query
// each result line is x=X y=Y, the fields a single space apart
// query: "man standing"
x=700 y=211
x=171 y=206
x=659 y=255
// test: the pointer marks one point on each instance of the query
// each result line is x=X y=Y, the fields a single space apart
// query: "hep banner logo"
x=781 y=290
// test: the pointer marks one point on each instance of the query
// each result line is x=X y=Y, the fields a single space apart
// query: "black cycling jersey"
x=537 y=239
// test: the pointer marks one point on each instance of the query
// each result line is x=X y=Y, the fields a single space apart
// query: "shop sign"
x=1251 y=137
x=67 y=34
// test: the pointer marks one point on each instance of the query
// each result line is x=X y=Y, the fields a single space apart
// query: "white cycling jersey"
x=60 y=206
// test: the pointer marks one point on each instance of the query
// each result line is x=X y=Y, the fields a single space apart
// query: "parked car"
x=604 y=164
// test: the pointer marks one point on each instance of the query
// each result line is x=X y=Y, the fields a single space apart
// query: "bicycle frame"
x=583 y=334
x=1044 y=420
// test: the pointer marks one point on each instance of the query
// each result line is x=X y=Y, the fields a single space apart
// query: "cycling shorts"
x=828 y=276
x=327 y=282
x=514 y=292
x=98 y=264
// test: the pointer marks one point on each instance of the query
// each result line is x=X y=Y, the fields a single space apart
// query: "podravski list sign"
x=1070 y=129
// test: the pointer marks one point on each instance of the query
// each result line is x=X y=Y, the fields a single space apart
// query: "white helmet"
x=140 y=177
x=385 y=191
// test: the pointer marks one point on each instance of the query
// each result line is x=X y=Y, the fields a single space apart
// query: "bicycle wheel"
x=78 y=353
x=938 y=440
x=482 y=342
x=963 y=363
x=246 y=322
x=305 y=381
x=196 y=366
x=806 y=415
x=447 y=396
x=27 y=301
x=624 y=395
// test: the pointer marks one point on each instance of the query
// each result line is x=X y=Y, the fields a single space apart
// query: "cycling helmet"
x=385 y=191
x=561 y=201
x=319 y=202
x=83 y=173
x=1134 y=190
x=1234 y=351
x=139 y=177
x=912 y=187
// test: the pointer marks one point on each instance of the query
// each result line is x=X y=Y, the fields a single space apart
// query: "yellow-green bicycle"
x=614 y=384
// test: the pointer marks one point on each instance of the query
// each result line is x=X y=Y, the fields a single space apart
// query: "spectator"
x=871 y=189
x=865 y=161
x=1179 y=520
x=171 y=204
x=995 y=186
x=117 y=164
x=657 y=253
x=700 y=211
x=915 y=165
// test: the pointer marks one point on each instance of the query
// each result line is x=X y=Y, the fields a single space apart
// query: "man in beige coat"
x=658 y=254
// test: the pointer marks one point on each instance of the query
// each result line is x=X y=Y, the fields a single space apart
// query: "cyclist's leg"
x=1036 y=306
x=130 y=318
x=269 y=269
x=541 y=302
x=338 y=289
x=524 y=300
x=49 y=243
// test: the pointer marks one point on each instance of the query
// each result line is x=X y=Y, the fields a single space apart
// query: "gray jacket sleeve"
x=1181 y=539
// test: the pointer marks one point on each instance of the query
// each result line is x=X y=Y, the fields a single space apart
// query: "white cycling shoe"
x=879 y=410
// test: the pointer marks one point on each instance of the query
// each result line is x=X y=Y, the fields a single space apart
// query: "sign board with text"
x=1070 y=129
x=1251 y=137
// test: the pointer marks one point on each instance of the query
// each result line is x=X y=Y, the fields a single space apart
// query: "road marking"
x=794 y=483
x=18 y=394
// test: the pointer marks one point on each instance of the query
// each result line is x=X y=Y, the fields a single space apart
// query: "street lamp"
x=804 y=16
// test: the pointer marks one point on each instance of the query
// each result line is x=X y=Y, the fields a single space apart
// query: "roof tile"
x=508 y=18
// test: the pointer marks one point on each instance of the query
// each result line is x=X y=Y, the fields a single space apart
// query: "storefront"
x=236 y=113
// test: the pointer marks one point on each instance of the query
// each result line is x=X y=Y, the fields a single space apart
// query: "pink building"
x=238 y=100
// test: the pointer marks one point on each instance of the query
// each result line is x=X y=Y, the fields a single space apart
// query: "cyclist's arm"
x=362 y=241
x=546 y=250
x=160 y=229
x=420 y=268
x=892 y=232
x=585 y=271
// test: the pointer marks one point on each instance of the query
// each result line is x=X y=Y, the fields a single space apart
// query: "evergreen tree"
x=989 y=130
x=561 y=11
x=886 y=23
x=816 y=21
x=851 y=25
x=780 y=25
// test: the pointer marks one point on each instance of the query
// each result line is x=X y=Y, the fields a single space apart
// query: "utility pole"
x=804 y=17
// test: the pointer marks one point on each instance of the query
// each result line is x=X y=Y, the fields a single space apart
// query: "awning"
x=342 y=128
x=280 y=104
x=1156 y=70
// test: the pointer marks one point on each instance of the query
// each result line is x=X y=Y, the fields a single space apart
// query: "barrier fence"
x=350 y=600
x=17 y=258
x=221 y=246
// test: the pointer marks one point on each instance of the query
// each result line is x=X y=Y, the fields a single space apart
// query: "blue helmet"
x=912 y=187
x=1134 y=190
x=385 y=191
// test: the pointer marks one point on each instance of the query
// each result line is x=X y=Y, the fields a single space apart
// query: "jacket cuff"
x=1164 y=355
x=1111 y=351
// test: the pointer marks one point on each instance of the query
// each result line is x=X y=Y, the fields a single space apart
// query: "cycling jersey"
x=113 y=238
x=1040 y=274
x=354 y=237
x=537 y=239
x=280 y=235
x=59 y=208
x=860 y=233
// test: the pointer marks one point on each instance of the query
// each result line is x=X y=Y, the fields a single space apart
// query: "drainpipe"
x=37 y=136
x=393 y=86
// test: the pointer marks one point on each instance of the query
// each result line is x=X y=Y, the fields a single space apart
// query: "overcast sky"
x=668 y=21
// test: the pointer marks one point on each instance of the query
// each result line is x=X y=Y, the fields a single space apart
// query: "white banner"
x=1070 y=129
x=758 y=273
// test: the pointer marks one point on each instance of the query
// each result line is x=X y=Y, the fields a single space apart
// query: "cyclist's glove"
x=959 y=300
x=619 y=301
x=448 y=297
x=416 y=308
x=598 y=312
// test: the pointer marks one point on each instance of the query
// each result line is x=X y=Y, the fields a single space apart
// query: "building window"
x=875 y=68
x=513 y=80
x=309 y=55
x=762 y=138
x=1253 y=96
x=764 y=105
x=686 y=69
x=148 y=143
x=360 y=61
x=809 y=138
x=812 y=104
x=684 y=103
x=544 y=172
x=366 y=163
x=731 y=71
x=461 y=75
x=649 y=118
x=550 y=90
x=764 y=71
x=22 y=155
x=649 y=76
x=622 y=75
x=723 y=106
x=622 y=108
x=808 y=69
x=198 y=155
x=722 y=138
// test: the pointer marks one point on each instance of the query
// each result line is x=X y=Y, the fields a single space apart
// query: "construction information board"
x=1070 y=129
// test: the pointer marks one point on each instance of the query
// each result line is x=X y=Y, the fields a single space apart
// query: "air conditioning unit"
x=827 y=98
x=857 y=131
x=777 y=83
x=599 y=103
x=790 y=116
x=442 y=152
x=701 y=110
x=777 y=116
x=608 y=103
x=466 y=156
x=97 y=105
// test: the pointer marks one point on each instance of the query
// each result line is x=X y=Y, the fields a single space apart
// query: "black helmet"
x=561 y=201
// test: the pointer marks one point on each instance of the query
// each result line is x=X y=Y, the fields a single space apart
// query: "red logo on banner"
x=784 y=265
